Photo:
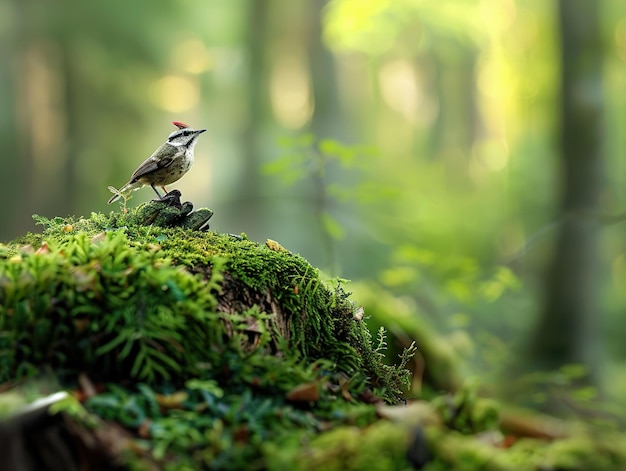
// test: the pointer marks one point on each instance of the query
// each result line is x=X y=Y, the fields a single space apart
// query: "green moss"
x=603 y=452
x=391 y=446
x=167 y=311
x=108 y=306
x=320 y=317
x=466 y=412
x=217 y=352
x=380 y=447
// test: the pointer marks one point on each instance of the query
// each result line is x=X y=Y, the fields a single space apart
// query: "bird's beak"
x=200 y=131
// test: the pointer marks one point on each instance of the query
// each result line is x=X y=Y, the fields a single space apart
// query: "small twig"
x=533 y=240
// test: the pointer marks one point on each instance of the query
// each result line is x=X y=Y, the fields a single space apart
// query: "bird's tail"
x=115 y=197
x=117 y=194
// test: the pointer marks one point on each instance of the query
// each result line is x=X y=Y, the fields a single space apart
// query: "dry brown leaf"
x=307 y=392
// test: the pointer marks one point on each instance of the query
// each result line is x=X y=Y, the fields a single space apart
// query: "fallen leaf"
x=172 y=401
x=43 y=249
x=307 y=392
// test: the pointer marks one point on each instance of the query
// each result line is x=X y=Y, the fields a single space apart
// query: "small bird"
x=166 y=165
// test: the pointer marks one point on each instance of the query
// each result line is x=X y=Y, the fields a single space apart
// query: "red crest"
x=179 y=125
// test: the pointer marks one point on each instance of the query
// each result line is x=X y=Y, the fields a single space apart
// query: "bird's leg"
x=155 y=190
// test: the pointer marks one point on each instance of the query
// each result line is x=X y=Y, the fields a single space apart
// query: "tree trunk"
x=249 y=204
x=567 y=331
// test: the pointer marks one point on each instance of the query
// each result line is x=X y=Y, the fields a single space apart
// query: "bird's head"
x=184 y=135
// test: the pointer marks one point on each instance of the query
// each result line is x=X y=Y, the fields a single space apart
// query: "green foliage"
x=305 y=157
x=461 y=278
x=568 y=392
x=73 y=408
x=220 y=427
x=374 y=27
x=318 y=163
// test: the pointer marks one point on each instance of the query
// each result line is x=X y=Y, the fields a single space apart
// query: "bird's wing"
x=155 y=162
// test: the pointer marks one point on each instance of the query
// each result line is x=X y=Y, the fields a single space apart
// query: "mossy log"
x=187 y=349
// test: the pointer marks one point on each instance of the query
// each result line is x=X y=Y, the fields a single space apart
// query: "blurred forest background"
x=416 y=147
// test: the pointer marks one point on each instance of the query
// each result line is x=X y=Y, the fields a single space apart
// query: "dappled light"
x=489 y=155
x=399 y=87
x=176 y=94
x=290 y=90
x=460 y=162
x=192 y=56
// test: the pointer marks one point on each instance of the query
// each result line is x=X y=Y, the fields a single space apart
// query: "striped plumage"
x=167 y=164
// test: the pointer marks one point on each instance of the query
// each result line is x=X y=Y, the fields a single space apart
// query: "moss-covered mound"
x=205 y=341
x=186 y=349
